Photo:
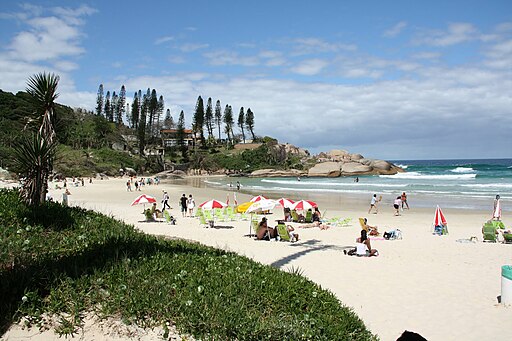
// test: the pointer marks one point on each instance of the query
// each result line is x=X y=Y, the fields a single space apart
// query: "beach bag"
x=438 y=230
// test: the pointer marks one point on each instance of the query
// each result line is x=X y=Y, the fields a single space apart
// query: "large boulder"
x=5 y=175
x=130 y=171
x=356 y=157
x=381 y=165
x=349 y=168
x=269 y=173
x=328 y=169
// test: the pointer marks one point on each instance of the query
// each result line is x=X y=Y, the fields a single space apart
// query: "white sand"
x=435 y=286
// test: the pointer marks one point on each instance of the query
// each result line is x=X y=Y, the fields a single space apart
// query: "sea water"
x=463 y=184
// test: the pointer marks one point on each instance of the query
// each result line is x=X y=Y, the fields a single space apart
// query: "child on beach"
x=396 y=205
x=373 y=204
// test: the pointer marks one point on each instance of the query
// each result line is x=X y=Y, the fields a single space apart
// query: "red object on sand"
x=284 y=202
x=211 y=204
x=143 y=199
x=439 y=218
x=304 y=205
x=258 y=198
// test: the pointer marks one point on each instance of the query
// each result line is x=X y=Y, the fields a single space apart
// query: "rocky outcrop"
x=270 y=173
x=341 y=163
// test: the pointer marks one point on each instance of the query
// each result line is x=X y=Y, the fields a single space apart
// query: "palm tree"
x=35 y=156
x=34 y=159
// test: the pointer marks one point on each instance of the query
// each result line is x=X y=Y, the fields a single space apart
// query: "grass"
x=66 y=261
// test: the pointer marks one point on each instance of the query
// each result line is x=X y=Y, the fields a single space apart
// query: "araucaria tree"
x=121 y=102
x=249 y=122
x=228 y=122
x=34 y=156
x=108 y=107
x=141 y=131
x=135 y=111
x=99 y=101
x=208 y=117
x=241 y=122
x=199 y=119
x=168 y=121
x=180 y=135
x=218 y=116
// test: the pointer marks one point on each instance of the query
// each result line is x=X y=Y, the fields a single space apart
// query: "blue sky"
x=387 y=79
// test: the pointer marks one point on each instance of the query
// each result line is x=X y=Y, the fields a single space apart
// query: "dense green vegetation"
x=86 y=141
x=68 y=261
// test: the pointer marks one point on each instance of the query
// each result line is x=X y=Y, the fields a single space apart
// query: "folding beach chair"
x=490 y=233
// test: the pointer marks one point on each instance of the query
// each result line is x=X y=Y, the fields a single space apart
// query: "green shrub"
x=84 y=261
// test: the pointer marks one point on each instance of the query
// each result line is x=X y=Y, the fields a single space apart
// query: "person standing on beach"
x=128 y=186
x=373 y=204
x=404 y=200
x=165 y=201
x=238 y=185
x=183 y=204
x=496 y=212
x=396 y=205
x=190 y=205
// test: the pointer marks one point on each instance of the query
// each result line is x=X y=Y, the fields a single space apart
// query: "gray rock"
x=269 y=173
x=355 y=168
x=328 y=169
x=130 y=171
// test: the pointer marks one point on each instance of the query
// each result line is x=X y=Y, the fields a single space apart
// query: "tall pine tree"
x=142 y=123
x=121 y=106
x=100 y=101
x=249 y=122
x=199 y=119
x=241 y=122
x=228 y=122
x=108 y=107
x=168 y=121
x=114 y=107
x=159 y=113
x=218 y=116
x=135 y=112
x=208 y=117
x=180 y=135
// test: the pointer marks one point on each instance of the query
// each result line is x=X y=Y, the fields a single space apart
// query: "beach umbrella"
x=211 y=204
x=258 y=198
x=262 y=205
x=143 y=199
x=303 y=205
x=439 y=218
x=286 y=203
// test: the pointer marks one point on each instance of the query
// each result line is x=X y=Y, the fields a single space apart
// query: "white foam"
x=417 y=176
x=403 y=166
x=462 y=170
x=332 y=183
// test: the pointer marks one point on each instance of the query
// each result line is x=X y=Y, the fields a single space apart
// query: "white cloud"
x=162 y=40
x=190 y=47
x=316 y=45
x=224 y=57
x=176 y=59
x=395 y=30
x=456 y=33
x=426 y=55
x=65 y=66
x=309 y=67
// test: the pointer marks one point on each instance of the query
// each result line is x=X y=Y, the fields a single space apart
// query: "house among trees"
x=170 y=137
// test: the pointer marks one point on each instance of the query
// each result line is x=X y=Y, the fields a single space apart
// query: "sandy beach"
x=439 y=287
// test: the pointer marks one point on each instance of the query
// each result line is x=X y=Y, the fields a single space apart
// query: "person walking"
x=396 y=205
x=165 y=201
x=183 y=205
x=373 y=204
x=190 y=205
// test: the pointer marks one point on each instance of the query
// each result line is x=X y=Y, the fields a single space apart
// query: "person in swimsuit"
x=404 y=200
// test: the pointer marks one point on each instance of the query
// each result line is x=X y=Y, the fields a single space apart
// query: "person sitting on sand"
x=265 y=232
x=155 y=212
x=363 y=247
x=372 y=230
x=315 y=224
x=287 y=214
x=316 y=215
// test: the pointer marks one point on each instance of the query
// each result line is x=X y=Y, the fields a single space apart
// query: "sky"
x=393 y=80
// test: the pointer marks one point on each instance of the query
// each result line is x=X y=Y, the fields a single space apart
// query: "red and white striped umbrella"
x=143 y=199
x=303 y=205
x=211 y=204
x=286 y=203
x=439 y=218
x=258 y=198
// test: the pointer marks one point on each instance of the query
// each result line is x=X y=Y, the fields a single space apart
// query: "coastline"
x=432 y=285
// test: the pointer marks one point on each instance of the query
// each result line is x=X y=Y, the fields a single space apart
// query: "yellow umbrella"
x=244 y=207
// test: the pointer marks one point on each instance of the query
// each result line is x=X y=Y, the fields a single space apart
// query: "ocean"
x=461 y=184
